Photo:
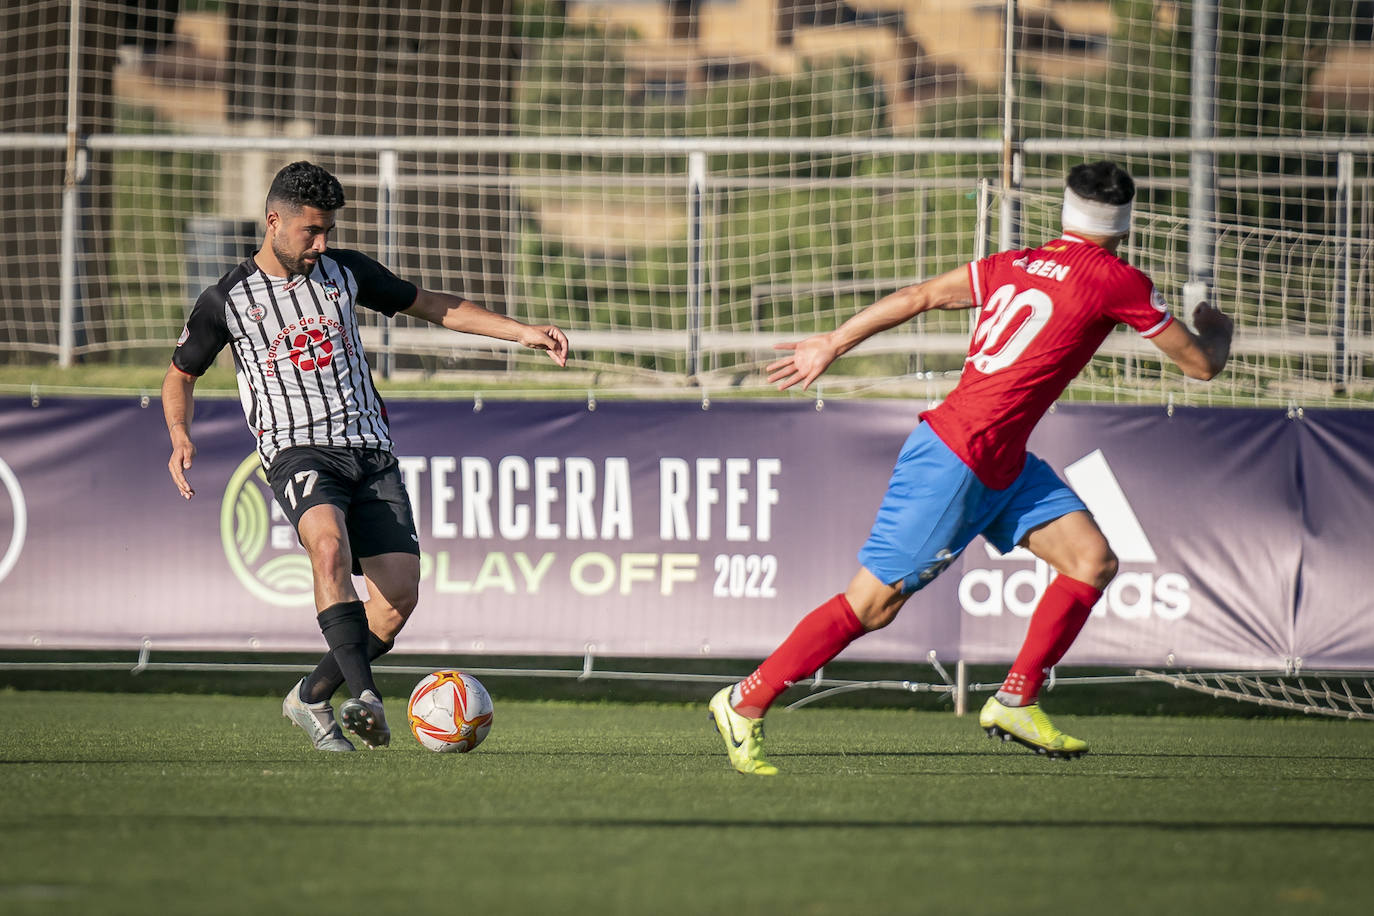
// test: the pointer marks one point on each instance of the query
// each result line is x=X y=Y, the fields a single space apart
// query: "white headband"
x=1094 y=218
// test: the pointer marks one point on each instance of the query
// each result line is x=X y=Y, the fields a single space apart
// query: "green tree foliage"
x=1266 y=53
x=578 y=83
x=582 y=86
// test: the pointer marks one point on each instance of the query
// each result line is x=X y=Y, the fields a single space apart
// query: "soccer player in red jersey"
x=965 y=471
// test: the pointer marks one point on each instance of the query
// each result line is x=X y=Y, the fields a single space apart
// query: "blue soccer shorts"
x=935 y=506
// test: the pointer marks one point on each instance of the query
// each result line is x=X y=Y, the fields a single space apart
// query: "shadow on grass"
x=316 y=823
x=1052 y=766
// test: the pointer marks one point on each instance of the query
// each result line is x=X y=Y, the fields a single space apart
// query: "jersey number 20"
x=1009 y=323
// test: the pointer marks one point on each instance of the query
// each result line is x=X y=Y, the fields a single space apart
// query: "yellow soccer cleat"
x=1029 y=726
x=743 y=737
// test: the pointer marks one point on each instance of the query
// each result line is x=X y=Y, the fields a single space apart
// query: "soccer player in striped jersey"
x=289 y=314
x=965 y=471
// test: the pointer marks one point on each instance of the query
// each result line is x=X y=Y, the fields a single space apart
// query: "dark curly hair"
x=304 y=184
x=1105 y=182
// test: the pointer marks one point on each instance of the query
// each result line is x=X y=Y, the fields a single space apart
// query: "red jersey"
x=1043 y=314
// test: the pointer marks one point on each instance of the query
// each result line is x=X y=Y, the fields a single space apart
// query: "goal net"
x=684 y=183
x=1341 y=695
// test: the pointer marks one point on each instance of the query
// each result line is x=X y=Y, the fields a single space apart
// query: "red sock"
x=1054 y=626
x=820 y=636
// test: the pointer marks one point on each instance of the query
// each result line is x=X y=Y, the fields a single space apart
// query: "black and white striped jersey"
x=302 y=375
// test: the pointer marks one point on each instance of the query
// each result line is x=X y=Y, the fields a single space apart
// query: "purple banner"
x=667 y=529
x=1201 y=509
x=1334 y=596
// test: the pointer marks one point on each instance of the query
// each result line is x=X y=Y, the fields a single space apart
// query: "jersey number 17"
x=307 y=481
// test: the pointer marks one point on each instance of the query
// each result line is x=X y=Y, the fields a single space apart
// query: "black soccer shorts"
x=365 y=483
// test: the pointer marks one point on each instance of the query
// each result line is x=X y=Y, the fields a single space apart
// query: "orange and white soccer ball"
x=449 y=712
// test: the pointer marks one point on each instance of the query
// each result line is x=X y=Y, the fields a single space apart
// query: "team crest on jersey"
x=331 y=290
x=257 y=312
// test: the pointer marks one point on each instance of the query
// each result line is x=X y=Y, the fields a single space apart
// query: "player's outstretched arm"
x=809 y=358
x=467 y=317
x=177 y=407
x=1203 y=353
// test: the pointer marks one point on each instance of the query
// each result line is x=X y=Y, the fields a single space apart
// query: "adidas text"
x=1130 y=596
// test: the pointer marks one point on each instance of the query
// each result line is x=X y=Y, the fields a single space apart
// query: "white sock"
x=736 y=696
x=1011 y=699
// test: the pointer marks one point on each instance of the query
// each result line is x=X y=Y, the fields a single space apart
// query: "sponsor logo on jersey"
x=1008 y=585
x=256 y=312
x=14 y=516
x=259 y=543
x=185 y=335
x=307 y=346
x=1158 y=301
x=310 y=350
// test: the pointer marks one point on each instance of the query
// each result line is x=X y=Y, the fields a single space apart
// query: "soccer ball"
x=449 y=712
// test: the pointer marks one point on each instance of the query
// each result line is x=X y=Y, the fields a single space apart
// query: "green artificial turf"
x=129 y=803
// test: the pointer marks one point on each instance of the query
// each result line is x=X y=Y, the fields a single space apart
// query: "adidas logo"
x=1009 y=586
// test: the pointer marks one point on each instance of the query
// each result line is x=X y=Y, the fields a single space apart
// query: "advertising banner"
x=1334 y=615
x=1201 y=510
x=678 y=529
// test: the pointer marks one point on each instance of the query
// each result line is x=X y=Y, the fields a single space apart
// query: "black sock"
x=326 y=679
x=344 y=626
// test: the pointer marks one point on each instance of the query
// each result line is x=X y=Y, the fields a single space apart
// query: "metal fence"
x=713 y=303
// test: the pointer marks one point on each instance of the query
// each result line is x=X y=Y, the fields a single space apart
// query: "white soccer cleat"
x=365 y=717
x=316 y=720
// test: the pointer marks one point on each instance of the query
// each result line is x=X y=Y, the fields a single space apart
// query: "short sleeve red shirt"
x=1042 y=314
